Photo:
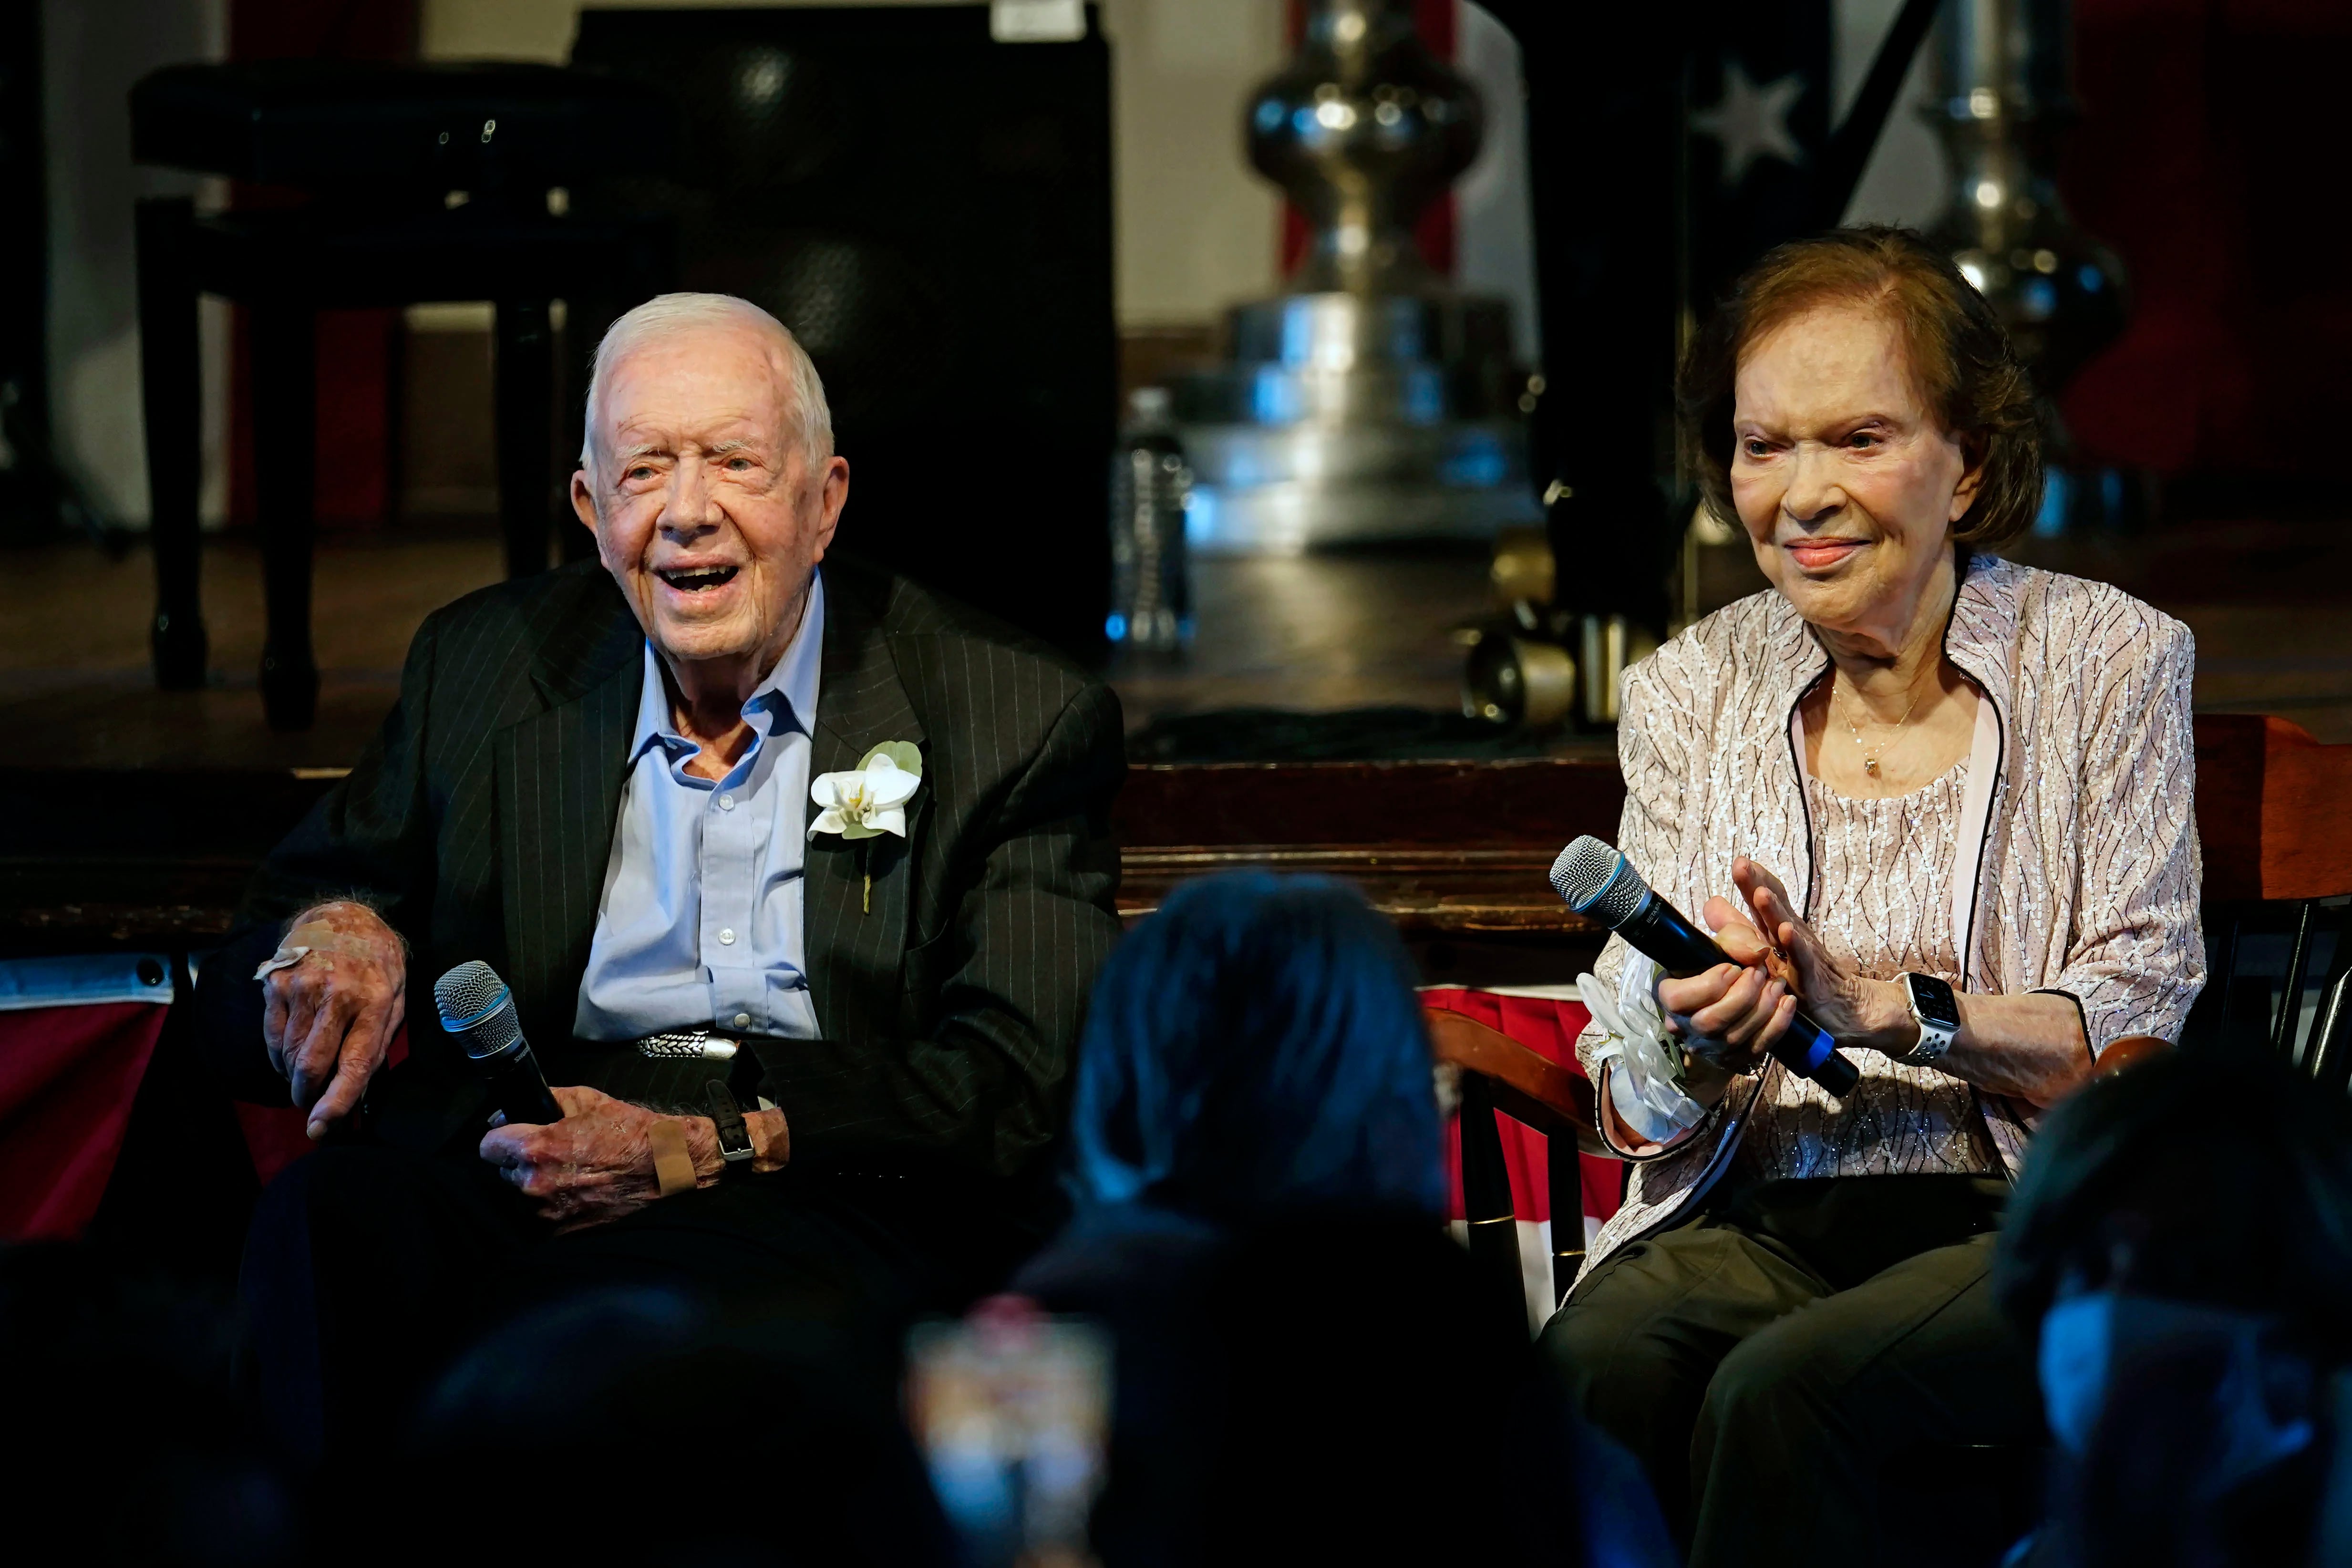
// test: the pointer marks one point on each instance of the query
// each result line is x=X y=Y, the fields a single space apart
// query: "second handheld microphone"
x=476 y=1007
x=1597 y=880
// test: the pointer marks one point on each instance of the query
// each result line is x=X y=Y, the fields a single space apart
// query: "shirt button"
x=727 y=937
x=726 y=803
x=742 y=1020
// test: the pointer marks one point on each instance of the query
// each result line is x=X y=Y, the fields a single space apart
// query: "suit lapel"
x=860 y=704
x=560 y=774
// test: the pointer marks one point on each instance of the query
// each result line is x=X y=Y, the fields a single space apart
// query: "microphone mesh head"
x=1598 y=881
x=476 y=1007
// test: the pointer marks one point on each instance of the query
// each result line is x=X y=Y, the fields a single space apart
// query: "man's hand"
x=328 y=1020
x=597 y=1164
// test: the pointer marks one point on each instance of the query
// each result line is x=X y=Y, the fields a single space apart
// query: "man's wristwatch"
x=734 y=1138
x=1938 y=1013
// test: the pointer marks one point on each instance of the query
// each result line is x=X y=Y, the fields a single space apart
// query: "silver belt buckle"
x=687 y=1044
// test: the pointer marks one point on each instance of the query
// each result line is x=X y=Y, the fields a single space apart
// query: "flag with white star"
x=1756 y=90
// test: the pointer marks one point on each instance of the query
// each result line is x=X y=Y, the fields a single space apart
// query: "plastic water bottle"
x=1152 y=594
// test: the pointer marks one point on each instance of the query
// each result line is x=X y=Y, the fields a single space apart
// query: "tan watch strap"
x=673 y=1166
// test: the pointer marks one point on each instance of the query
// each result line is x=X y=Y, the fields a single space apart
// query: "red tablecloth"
x=75 y=1037
x=67 y=1075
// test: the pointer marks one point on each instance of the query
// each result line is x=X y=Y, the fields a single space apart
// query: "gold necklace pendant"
x=1869 y=757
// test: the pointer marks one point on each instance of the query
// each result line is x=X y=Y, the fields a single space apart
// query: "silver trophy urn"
x=2007 y=93
x=1369 y=402
x=2007 y=73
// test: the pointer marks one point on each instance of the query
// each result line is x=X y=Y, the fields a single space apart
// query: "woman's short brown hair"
x=1960 y=361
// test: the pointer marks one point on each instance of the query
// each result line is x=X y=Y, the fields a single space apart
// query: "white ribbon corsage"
x=871 y=801
x=1646 y=1088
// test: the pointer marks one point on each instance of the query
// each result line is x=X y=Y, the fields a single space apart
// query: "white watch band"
x=1934 y=1038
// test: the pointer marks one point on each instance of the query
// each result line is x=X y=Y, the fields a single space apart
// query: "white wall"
x=92 y=50
x=1903 y=183
x=1493 y=226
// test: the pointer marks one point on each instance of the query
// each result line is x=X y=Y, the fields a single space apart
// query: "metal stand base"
x=1356 y=419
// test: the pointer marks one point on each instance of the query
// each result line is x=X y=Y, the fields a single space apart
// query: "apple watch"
x=1938 y=1013
x=734 y=1137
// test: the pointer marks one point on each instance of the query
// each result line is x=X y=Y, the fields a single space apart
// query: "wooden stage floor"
x=2271 y=605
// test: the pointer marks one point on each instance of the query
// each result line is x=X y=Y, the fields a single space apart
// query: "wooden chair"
x=1498 y=1073
x=2273 y=806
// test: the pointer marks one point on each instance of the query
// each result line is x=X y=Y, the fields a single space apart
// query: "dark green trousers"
x=1766 y=1358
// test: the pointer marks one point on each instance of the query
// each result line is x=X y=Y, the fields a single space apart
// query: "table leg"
x=170 y=394
x=285 y=461
x=526 y=411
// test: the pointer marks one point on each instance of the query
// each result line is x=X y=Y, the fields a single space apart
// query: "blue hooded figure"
x=1255 y=1051
x=1253 y=1079
x=1308 y=1367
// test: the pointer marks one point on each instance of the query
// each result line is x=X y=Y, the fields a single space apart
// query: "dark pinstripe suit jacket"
x=482 y=817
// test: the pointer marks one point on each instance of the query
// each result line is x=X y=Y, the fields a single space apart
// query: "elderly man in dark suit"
x=645 y=792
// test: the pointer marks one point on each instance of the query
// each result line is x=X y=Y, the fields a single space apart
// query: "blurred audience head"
x=2226 y=1182
x=2180 y=1246
x=131 y=1445
x=1375 y=1410
x=1256 y=1048
x=640 y=1425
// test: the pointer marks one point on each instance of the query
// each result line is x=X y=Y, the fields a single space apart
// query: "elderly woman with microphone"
x=1937 y=803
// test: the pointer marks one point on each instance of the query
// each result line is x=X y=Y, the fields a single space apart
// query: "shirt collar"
x=786 y=699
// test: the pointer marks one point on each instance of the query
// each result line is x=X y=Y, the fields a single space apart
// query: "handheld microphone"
x=476 y=1006
x=1597 y=880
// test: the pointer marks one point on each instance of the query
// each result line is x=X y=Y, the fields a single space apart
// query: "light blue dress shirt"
x=700 y=922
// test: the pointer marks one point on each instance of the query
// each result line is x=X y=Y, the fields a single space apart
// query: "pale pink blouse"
x=2060 y=856
x=1882 y=903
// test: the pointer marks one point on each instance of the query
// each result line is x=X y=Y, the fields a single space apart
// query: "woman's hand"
x=1728 y=1017
x=2031 y=1047
x=597 y=1164
x=1872 y=1015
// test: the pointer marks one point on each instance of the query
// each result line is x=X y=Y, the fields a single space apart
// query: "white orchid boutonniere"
x=870 y=802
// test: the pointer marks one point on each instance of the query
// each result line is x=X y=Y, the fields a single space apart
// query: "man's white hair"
x=810 y=415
